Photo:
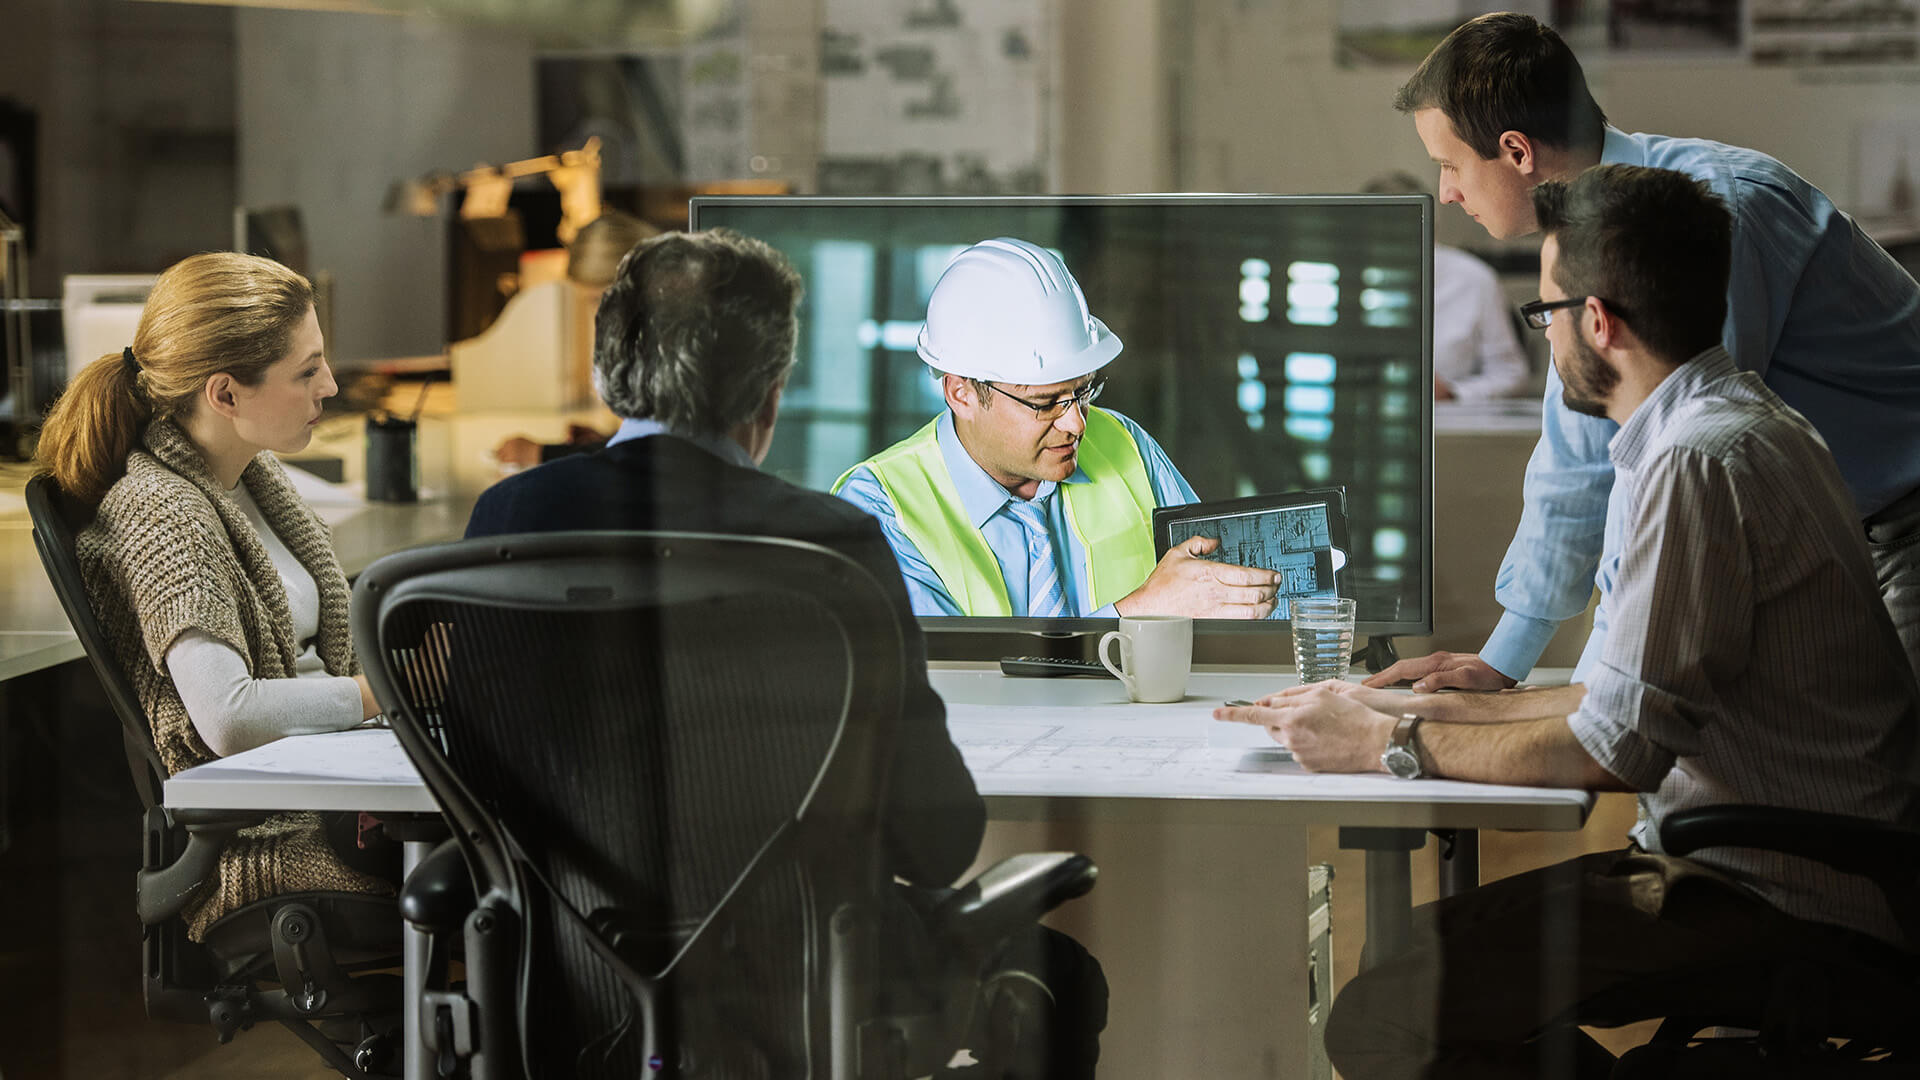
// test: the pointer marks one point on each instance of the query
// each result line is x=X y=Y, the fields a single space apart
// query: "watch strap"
x=1406 y=737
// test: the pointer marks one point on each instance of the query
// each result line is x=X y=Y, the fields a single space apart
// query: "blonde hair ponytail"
x=92 y=428
x=207 y=314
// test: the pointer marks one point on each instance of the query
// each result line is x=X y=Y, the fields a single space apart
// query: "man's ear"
x=960 y=394
x=1516 y=149
x=1604 y=324
x=217 y=394
x=770 y=408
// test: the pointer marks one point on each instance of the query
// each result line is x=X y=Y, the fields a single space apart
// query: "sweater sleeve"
x=232 y=711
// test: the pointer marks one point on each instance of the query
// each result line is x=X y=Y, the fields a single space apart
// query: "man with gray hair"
x=693 y=342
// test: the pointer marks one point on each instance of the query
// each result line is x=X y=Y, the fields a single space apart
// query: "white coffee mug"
x=1156 y=652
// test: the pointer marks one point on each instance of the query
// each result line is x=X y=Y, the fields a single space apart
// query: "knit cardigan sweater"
x=169 y=552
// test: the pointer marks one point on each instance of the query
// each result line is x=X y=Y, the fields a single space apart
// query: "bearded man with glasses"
x=1021 y=498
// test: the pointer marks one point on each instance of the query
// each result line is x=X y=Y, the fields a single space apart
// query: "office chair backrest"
x=686 y=736
x=58 y=519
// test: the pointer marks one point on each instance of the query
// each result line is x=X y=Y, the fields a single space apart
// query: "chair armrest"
x=1849 y=844
x=438 y=895
x=1009 y=896
x=162 y=887
x=228 y=821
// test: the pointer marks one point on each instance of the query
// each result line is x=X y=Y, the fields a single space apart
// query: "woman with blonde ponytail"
x=217 y=586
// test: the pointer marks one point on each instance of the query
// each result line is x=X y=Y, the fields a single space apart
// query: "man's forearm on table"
x=1507 y=706
x=1537 y=753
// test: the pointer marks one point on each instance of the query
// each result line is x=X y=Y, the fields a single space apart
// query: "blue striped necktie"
x=1046 y=598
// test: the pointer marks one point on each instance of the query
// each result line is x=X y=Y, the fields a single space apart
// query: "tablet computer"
x=1300 y=534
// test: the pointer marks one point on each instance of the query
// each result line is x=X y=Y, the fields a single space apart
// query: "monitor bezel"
x=1014 y=625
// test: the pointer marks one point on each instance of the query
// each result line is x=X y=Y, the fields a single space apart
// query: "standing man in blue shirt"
x=1814 y=306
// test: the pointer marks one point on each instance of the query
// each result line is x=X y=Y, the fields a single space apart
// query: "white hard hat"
x=1007 y=311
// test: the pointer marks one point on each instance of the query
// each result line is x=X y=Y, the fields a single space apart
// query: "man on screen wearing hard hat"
x=969 y=501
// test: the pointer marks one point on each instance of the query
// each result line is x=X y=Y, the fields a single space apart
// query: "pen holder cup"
x=392 y=467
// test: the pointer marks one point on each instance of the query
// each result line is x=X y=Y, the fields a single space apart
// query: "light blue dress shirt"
x=1814 y=306
x=985 y=502
x=719 y=446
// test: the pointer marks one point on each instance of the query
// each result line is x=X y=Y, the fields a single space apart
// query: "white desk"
x=1136 y=786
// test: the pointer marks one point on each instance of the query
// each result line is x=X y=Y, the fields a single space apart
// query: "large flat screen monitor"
x=1271 y=345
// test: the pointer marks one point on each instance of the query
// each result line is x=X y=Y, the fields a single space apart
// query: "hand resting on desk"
x=1443 y=671
x=1387 y=701
x=1327 y=726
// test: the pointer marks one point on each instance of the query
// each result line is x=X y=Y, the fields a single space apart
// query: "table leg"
x=416 y=1059
x=1389 y=887
x=1460 y=862
x=1202 y=932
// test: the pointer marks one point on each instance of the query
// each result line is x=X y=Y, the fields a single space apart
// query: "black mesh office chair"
x=1842 y=1008
x=308 y=946
x=664 y=756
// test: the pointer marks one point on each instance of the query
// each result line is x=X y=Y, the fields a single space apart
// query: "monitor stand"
x=1081 y=643
x=1378 y=653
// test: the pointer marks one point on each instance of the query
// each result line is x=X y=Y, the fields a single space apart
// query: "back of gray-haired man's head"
x=695 y=330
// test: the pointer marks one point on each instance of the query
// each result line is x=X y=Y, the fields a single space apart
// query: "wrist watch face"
x=1401 y=762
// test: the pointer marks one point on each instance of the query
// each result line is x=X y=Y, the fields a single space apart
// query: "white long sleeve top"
x=233 y=711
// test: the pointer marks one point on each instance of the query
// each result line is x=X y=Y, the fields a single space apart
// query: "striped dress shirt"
x=1750 y=658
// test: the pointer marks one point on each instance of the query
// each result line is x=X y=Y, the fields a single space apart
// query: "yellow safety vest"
x=1112 y=516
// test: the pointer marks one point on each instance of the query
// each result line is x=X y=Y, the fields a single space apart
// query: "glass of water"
x=1322 y=636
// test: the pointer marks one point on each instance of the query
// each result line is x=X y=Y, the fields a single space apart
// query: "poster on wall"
x=1691 y=29
x=1835 y=32
x=934 y=96
x=1401 y=32
x=715 y=107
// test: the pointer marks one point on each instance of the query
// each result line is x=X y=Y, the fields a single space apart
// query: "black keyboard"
x=1051 y=667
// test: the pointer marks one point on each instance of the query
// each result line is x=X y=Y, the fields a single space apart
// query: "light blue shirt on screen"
x=1814 y=306
x=986 y=504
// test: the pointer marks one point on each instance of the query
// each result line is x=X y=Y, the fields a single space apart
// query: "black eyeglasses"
x=1054 y=410
x=1539 y=313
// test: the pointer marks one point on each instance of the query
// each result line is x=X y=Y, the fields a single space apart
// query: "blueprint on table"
x=1120 y=745
x=367 y=756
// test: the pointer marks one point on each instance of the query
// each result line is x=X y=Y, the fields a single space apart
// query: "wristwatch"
x=1402 y=756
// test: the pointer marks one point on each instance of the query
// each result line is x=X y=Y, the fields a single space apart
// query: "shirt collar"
x=1620 y=148
x=1655 y=414
x=981 y=496
x=719 y=446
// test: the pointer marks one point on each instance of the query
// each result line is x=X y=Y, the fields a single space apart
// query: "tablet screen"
x=1300 y=535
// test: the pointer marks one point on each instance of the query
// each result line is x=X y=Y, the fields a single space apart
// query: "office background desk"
x=1200 y=916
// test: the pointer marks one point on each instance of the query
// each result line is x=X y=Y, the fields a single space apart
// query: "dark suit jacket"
x=935 y=816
